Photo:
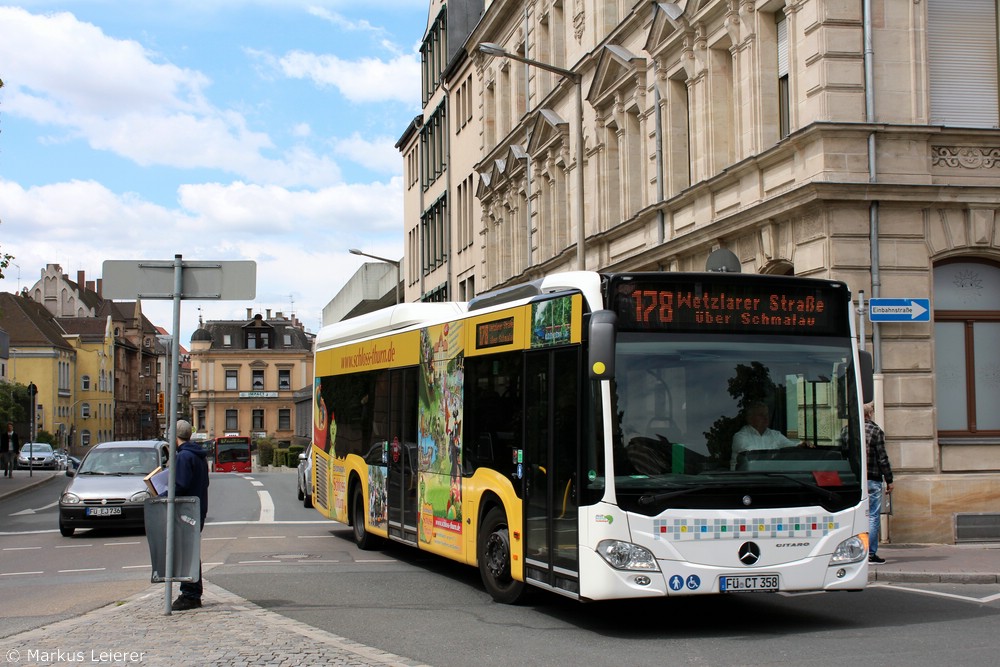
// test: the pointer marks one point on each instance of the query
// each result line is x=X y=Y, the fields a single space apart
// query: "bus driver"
x=756 y=435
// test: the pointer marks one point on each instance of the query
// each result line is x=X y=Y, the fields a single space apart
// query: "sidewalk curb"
x=25 y=487
x=932 y=577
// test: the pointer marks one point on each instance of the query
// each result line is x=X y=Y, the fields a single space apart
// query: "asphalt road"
x=261 y=544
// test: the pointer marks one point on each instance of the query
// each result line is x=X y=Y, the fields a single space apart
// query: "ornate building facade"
x=854 y=141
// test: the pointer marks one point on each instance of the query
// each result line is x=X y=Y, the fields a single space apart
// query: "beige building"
x=854 y=141
x=246 y=376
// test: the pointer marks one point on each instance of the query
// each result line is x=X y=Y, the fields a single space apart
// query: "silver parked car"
x=36 y=455
x=108 y=488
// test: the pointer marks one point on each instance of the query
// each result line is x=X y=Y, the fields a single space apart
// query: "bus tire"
x=494 y=559
x=365 y=540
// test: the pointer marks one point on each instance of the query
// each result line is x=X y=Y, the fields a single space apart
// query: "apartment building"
x=851 y=141
x=247 y=376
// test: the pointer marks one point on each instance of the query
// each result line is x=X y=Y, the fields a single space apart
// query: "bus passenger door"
x=401 y=484
x=551 y=446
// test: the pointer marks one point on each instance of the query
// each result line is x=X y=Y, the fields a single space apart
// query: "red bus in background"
x=232 y=454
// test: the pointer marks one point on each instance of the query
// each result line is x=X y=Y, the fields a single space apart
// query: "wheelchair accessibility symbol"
x=693 y=582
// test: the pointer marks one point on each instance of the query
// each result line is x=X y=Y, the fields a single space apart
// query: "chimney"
x=249 y=313
x=100 y=287
x=81 y=279
x=90 y=285
x=279 y=315
x=268 y=313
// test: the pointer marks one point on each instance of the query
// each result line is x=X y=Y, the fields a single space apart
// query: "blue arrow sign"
x=899 y=310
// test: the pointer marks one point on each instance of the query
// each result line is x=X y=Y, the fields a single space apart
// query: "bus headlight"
x=626 y=556
x=850 y=550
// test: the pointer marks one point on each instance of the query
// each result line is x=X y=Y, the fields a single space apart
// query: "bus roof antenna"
x=723 y=260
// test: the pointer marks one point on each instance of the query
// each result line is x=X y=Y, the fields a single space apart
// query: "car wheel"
x=301 y=493
x=66 y=531
x=307 y=500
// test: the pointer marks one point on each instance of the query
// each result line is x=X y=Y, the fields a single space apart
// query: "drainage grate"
x=977 y=527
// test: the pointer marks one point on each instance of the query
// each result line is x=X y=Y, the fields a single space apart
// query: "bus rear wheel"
x=365 y=540
x=494 y=559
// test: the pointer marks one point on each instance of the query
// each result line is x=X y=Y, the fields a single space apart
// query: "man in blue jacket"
x=191 y=479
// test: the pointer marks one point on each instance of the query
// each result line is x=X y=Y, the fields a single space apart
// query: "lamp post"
x=396 y=263
x=492 y=49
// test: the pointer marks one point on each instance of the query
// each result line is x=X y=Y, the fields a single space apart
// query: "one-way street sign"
x=899 y=310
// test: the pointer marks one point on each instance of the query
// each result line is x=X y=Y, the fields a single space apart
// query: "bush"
x=265 y=452
x=293 y=455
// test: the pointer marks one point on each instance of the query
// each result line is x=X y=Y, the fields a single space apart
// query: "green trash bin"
x=187 y=538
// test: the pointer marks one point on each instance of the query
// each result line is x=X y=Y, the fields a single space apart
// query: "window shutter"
x=962 y=55
x=782 y=45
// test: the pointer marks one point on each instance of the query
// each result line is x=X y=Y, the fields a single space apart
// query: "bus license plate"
x=749 y=583
x=104 y=511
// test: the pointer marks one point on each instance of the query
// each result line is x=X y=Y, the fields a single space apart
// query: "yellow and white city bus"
x=586 y=434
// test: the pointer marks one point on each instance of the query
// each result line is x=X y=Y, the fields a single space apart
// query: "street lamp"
x=492 y=49
x=396 y=263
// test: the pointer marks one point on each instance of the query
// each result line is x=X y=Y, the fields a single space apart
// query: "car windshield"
x=120 y=461
x=36 y=448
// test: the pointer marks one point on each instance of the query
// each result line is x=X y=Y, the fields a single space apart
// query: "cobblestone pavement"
x=226 y=631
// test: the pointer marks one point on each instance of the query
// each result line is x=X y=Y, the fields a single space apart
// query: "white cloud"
x=112 y=94
x=364 y=80
x=379 y=155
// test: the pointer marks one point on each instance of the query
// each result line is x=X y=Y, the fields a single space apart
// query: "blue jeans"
x=874 y=514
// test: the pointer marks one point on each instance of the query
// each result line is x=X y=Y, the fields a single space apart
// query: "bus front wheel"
x=494 y=559
x=365 y=540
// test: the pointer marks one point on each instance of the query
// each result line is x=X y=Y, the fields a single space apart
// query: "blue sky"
x=214 y=129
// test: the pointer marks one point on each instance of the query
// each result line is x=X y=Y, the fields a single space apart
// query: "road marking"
x=136 y=567
x=206 y=539
x=71 y=546
x=84 y=569
x=266 y=507
x=119 y=544
x=17 y=574
x=33 y=511
x=266 y=537
x=256 y=483
x=940 y=594
x=20 y=548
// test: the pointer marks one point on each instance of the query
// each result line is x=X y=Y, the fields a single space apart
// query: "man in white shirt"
x=756 y=434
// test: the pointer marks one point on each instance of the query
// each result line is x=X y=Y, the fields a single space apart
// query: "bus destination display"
x=731 y=306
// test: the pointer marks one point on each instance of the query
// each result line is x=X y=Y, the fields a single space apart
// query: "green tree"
x=14 y=404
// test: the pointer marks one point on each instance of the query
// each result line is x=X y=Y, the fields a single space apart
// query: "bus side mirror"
x=601 y=352
x=867 y=376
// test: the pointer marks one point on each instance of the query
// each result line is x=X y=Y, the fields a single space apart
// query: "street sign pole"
x=177 y=280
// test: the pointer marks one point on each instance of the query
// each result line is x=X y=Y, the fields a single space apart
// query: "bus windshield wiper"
x=649 y=499
x=830 y=499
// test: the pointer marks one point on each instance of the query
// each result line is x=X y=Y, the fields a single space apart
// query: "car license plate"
x=748 y=583
x=104 y=511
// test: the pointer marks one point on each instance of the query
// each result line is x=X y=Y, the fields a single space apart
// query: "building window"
x=232 y=379
x=85 y=410
x=227 y=340
x=202 y=426
x=85 y=383
x=258 y=340
x=284 y=379
x=288 y=340
x=284 y=419
x=258 y=419
x=258 y=380
x=962 y=62
x=85 y=438
x=194 y=380
x=784 y=105
x=232 y=421
x=966 y=355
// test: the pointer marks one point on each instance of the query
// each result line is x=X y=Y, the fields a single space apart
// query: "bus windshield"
x=232 y=454
x=735 y=422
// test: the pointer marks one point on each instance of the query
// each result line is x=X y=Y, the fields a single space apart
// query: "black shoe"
x=183 y=603
x=875 y=558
